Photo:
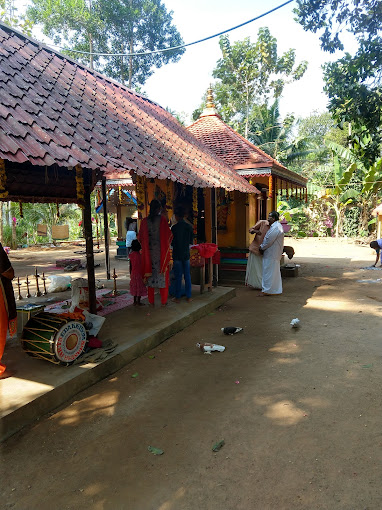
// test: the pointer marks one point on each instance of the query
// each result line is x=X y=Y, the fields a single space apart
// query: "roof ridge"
x=44 y=46
x=241 y=139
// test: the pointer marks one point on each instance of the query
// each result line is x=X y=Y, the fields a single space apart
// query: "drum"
x=59 y=340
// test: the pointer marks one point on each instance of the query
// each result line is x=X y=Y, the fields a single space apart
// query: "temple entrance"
x=262 y=201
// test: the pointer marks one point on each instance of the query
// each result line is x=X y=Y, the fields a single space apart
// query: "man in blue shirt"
x=183 y=238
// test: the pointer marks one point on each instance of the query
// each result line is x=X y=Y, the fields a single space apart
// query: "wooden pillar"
x=119 y=221
x=1 y=222
x=214 y=221
x=214 y=232
x=105 y=227
x=89 y=245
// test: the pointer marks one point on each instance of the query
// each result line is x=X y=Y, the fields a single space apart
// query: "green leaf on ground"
x=216 y=447
x=368 y=365
x=152 y=356
x=212 y=313
x=155 y=451
x=135 y=375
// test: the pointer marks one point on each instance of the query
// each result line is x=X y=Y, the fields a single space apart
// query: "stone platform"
x=39 y=387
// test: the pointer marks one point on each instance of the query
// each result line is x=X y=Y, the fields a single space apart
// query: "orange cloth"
x=3 y=329
x=8 y=314
x=263 y=226
x=5 y=324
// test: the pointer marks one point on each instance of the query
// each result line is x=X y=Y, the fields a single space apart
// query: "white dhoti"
x=254 y=271
x=273 y=248
x=271 y=282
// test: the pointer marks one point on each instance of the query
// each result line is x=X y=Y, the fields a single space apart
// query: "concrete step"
x=39 y=387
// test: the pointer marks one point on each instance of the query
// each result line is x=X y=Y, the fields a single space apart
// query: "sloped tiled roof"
x=54 y=111
x=235 y=150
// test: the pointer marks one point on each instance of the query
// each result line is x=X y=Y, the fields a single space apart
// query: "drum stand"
x=115 y=276
x=28 y=295
x=38 y=293
x=44 y=279
x=19 y=297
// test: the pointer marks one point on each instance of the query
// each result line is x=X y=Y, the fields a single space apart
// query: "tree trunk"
x=131 y=62
x=91 y=63
x=14 y=237
x=338 y=218
x=122 y=68
x=247 y=112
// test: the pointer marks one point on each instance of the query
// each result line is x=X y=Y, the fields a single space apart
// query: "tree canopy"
x=112 y=26
x=353 y=82
x=252 y=74
x=9 y=15
x=139 y=26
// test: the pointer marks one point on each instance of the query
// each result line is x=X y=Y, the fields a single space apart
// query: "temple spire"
x=210 y=108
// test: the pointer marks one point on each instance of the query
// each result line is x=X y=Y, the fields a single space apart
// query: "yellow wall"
x=242 y=215
x=252 y=216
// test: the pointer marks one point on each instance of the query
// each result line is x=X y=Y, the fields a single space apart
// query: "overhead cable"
x=143 y=54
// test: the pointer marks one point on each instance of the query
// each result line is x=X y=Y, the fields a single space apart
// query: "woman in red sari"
x=8 y=314
x=155 y=237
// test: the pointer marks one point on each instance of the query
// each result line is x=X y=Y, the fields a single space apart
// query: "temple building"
x=236 y=211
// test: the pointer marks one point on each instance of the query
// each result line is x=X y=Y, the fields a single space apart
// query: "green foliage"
x=296 y=215
x=351 y=222
x=250 y=74
x=112 y=26
x=35 y=214
x=268 y=131
x=9 y=16
x=136 y=26
x=353 y=82
x=77 y=23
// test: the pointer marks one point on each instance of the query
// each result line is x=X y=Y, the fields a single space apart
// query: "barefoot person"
x=155 y=237
x=272 y=248
x=377 y=245
x=8 y=314
x=137 y=286
x=254 y=271
x=183 y=238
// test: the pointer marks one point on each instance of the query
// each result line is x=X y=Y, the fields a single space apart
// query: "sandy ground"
x=299 y=410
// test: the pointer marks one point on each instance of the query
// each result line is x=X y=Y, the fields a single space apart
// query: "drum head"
x=70 y=341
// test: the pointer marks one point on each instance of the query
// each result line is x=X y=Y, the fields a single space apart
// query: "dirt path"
x=299 y=410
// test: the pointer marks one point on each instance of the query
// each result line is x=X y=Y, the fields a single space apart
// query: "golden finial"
x=210 y=108
x=210 y=98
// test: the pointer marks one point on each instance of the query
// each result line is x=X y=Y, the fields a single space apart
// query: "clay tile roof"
x=236 y=151
x=55 y=111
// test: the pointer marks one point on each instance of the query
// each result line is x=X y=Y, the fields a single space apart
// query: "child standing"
x=137 y=287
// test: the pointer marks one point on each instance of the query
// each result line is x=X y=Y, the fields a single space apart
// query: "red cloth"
x=216 y=257
x=163 y=292
x=206 y=250
x=94 y=342
x=165 y=246
x=8 y=313
x=137 y=287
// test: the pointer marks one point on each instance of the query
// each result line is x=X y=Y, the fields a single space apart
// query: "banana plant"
x=371 y=181
x=336 y=197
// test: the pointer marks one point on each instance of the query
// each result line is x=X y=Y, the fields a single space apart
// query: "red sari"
x=165 y=236
x=8 y=313
x=165 y=245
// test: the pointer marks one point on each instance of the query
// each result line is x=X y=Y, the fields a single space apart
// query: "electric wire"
x=143 y=54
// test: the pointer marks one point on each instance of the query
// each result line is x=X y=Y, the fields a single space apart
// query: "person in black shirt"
x=183 y=238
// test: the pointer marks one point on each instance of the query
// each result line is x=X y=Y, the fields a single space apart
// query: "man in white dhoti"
x=272 y=248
